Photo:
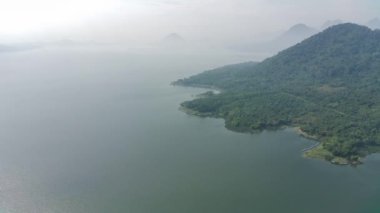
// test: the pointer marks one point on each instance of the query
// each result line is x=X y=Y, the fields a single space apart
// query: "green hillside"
x=328 y=85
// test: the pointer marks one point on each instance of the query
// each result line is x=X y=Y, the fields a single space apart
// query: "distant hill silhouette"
x=295 y=34
x=292 y=36
x=374 y=23
x=331 y=23
x=173 y=38
x=19 y=47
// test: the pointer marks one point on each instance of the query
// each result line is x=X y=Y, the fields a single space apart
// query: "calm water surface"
x=100 y=131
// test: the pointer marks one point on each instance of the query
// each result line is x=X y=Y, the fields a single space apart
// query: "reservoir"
x=90 y=130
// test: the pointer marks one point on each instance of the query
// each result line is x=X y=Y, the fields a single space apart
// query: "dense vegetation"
x=328 y=85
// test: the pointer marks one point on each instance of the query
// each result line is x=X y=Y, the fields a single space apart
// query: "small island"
x=328 y=87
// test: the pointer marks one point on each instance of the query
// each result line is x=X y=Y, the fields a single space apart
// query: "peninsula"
x=328 y=86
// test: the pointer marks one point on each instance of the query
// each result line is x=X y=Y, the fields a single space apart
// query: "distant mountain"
x=12 y=47
x=292 y=36
x=71 y=43
x=295 y=34
x=300 y=30
x=173 y=38
x=19 y=47
x=374 y=23
x=173 y=41
x=331 y=23
x=328 y=86
x=66 y=42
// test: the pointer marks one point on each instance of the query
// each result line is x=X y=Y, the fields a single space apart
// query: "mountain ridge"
x=290 y=37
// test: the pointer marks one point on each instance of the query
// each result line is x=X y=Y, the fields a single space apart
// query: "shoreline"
x=315 y=151
x=199 y=86
x=300 y=132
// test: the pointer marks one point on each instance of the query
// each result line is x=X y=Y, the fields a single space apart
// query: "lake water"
x=100 y=131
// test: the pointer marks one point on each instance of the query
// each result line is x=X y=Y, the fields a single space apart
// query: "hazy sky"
x=149 y=20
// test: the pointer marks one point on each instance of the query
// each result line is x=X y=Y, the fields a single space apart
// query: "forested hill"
x=328 y=85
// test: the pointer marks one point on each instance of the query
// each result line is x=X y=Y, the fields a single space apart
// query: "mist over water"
x=99 y=130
